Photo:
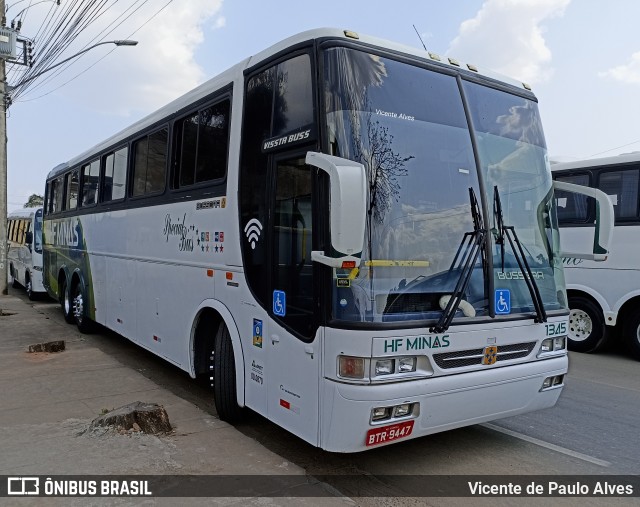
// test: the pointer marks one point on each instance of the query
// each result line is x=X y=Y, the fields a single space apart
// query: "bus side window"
x=150 y=163
x=622 y=189
x=56 y=195
x=90 y=180
x=10 y=230
x=115 y=175
x=72 y=189
x=573 y=208
x=201 y=145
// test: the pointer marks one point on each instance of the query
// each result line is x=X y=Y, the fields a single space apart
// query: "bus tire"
x=631 y=333
x=224 y=377
x=84 y=323
x=587 y=330
x=66 y=303
x=14 y=280
x=28 y=286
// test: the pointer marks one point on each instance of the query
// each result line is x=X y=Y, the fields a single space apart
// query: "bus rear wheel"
x=224 y=377
x=587 y=330
x=631 y=333
x=84 y=323
x=65 y=302
x=29 y=288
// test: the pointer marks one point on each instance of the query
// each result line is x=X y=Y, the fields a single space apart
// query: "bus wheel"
x=587 y=332
x=65 y=302
x=79 y=311
x=224 y=377
x=29 y=288
x=631 y=333
x=14 y=280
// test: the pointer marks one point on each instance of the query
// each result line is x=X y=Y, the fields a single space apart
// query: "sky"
x=581 y=57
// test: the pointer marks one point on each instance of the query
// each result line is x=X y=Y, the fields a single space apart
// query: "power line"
x=616 y=148
x=117 y=22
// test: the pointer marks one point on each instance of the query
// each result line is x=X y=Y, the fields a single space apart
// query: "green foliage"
x=34 y=201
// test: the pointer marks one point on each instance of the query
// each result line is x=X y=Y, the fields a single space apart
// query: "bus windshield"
x=407 y=125
x=37 y=232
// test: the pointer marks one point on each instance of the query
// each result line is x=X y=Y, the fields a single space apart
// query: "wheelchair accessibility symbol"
x=503 y=301
x=279 y=303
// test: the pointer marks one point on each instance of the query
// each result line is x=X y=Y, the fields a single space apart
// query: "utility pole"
x=8 y=37
x=4 y=268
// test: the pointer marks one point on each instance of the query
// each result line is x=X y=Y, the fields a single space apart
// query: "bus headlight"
x=559 y=343
x=385 y=367
x=555 y=344
x=402 y=410
x=380 y=413
x=406 y=364
x=394 y=366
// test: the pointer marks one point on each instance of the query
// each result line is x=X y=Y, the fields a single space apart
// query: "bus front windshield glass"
x=515 y=166
x=407 y=126
x=37 y=232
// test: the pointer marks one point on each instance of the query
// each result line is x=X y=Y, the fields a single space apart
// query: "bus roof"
x=228 y=76
x=23 y=212
x=626 y=158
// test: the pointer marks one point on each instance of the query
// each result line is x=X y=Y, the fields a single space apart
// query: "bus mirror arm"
x=605 y=220
x=348 y=209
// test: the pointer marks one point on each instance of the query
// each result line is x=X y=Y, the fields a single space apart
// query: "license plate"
x=389 y=433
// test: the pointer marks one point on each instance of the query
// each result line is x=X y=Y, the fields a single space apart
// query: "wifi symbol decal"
x=252 y=230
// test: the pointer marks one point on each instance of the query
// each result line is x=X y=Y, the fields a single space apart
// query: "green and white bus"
x=353 y=238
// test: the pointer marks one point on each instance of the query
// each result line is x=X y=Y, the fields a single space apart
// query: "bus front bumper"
x=438 y=403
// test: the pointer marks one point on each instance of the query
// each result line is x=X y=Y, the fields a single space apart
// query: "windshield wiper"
x=508 y=231
x=471 y=246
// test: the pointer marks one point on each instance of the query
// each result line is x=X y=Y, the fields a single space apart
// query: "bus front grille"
x=472 y=357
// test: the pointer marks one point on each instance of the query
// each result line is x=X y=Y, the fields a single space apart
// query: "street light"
x=3 y=146
x=35 y=76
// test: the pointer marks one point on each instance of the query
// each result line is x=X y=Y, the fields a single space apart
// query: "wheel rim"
x=580 y=325
x=29 y=287
x=67 y=302
x=78 y=307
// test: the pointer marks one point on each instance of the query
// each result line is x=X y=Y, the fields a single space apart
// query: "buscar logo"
x=490 y=355
x=65 y=232
x=412 y=343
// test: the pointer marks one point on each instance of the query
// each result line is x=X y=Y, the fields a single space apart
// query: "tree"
x=34 y=201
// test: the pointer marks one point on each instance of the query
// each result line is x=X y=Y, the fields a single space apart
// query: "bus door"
x=293 y=354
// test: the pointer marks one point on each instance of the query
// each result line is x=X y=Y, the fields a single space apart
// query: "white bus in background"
x=604 y=297
x=24 y=254
x=353 y=238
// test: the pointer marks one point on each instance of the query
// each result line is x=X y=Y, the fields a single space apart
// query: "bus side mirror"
x=28 y=239
x=605 y=220
x=348 y=209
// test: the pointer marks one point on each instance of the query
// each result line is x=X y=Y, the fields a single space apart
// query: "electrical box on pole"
x=8 y=43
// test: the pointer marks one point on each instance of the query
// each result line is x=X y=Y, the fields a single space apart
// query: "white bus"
x=309 y=231
x=605 y=296
x=24 y=253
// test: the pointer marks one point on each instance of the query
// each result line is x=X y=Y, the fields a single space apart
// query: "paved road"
x=592 y=430
x=597 y=414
